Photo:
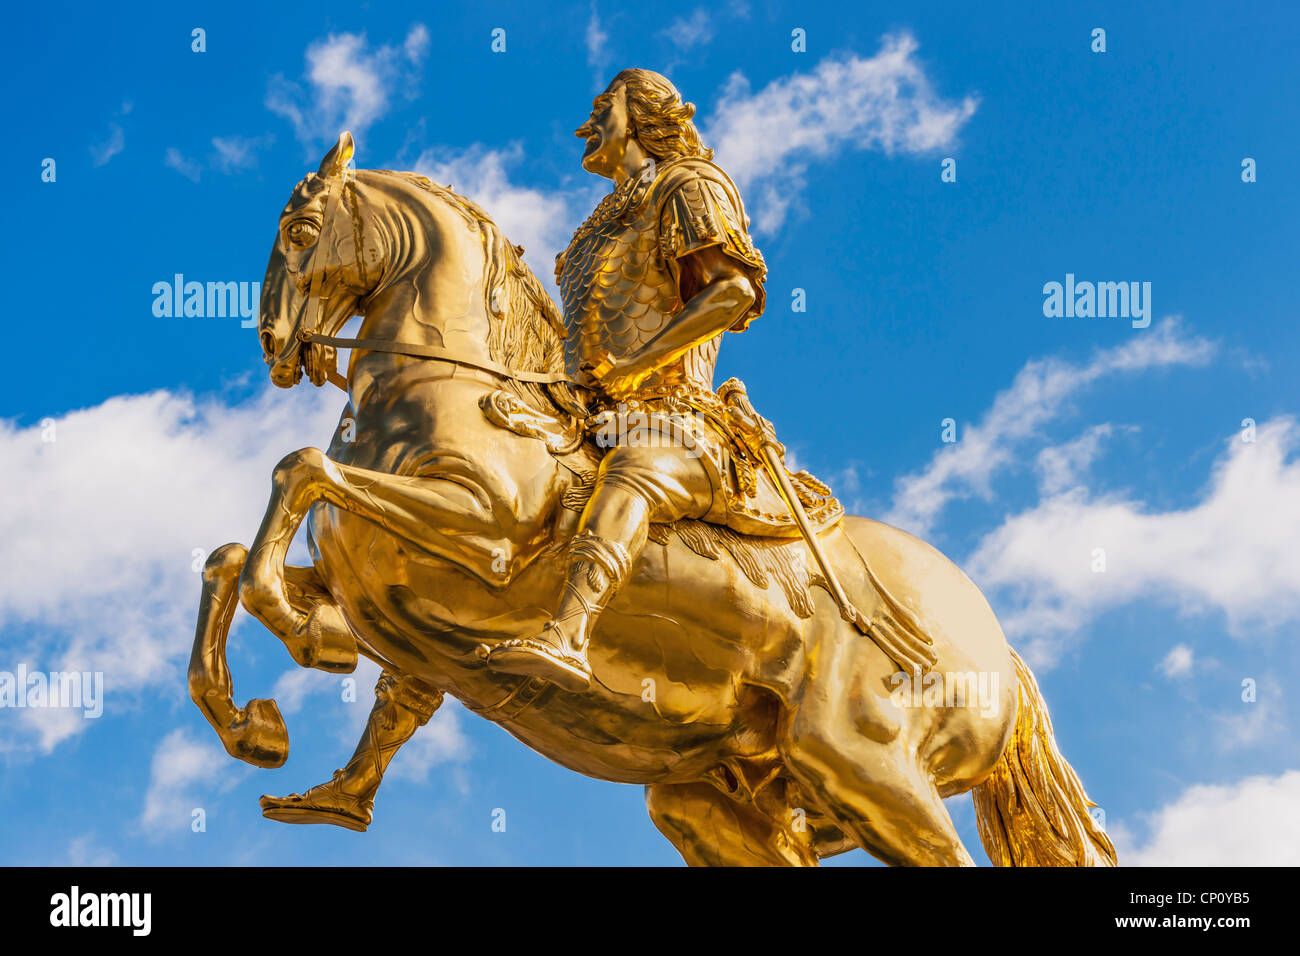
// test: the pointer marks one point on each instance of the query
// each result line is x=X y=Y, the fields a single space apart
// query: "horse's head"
x=324 y=263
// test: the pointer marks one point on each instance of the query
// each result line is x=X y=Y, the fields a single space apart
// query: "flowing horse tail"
x=1032 y=810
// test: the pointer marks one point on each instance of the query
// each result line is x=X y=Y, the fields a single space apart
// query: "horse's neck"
x=432 y=293
x=433 y=290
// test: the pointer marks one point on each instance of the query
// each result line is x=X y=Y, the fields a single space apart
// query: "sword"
x=897 y=633
x=733 y=395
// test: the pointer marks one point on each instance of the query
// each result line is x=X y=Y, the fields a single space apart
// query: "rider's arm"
x=724 y=295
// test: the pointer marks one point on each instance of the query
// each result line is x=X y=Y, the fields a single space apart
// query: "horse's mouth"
x=286 y=370
x=286 y=375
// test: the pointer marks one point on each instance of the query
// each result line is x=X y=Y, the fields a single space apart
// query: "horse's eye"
x=303 y=233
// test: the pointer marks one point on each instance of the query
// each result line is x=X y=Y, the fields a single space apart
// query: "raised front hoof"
x=330 y=644
x=297 y=808
x=533 y=660
x=259 y=736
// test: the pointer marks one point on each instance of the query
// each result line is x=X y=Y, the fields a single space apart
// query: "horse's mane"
x=526 y=329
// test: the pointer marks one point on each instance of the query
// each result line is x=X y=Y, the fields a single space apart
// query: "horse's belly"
x=666 y=703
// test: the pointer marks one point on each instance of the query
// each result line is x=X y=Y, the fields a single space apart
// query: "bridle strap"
x=315 y=304
x=434 y=352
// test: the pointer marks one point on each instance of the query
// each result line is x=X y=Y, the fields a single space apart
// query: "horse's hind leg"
x=709 y=828
x=254 y=733
x=871 y=788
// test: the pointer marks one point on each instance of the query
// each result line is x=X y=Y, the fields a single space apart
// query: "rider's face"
x=606 y=133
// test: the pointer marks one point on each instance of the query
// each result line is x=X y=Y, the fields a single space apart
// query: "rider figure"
x=660 y=269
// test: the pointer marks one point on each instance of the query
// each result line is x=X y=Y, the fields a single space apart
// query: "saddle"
x=750 y=503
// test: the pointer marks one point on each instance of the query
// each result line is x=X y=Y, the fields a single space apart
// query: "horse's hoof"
x=331 y=645
x=258 y=736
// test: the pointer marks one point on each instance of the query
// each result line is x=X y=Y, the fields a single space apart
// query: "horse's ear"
x=337 y=159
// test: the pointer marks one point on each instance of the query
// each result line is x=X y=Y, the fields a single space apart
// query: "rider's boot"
x=597 y=568
x=402 y=706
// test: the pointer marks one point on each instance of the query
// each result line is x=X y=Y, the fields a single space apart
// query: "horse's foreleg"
x=443 y=516
x=254 y=733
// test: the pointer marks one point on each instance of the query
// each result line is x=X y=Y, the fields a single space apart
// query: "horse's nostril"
x=268 y=342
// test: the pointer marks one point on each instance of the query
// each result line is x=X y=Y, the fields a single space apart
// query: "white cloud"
x=692 y=31
x=1035 y=397
x=84 y=851
x=597 y=42
x=234 y=153
x=188 y=168
x=102 y=152
x=1178 y=662
x=1257 y=724
x=885 y=102
x=349 y=84
x=1250 y=823
x=184 y=771
x=100 y=525
x=417 y=43
x=1233 y=551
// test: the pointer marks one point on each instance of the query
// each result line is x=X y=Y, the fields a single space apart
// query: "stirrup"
x=540 y=657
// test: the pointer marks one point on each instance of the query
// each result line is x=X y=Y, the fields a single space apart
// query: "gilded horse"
x=765 y=728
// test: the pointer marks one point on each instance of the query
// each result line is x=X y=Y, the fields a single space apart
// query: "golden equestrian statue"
x=553 y=516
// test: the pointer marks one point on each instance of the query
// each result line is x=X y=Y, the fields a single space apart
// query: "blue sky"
x=924 y=302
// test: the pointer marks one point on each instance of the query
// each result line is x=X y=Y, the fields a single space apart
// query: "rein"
x=430 y=352
x=308 y=335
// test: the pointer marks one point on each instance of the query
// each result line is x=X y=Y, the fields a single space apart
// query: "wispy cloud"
x=1178 y=662
x=767 y=139
x=348 y=85
x=1037 y=394
x=229 y=155
x=232 y=154
x=110 y=146
x=174 y=159
x=85 y=851
x=688 y=32
x=597 y=41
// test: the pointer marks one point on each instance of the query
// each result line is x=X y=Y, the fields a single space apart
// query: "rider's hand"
x=619 y=378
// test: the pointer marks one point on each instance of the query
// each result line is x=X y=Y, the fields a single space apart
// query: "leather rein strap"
x=433 y=352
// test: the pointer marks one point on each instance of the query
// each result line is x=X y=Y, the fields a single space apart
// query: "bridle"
x=307 y=333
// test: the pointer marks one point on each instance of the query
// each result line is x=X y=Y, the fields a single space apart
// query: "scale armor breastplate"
x=618 y=281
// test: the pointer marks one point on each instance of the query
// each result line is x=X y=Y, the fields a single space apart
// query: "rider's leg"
x=402 y=706
x=635 y=486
